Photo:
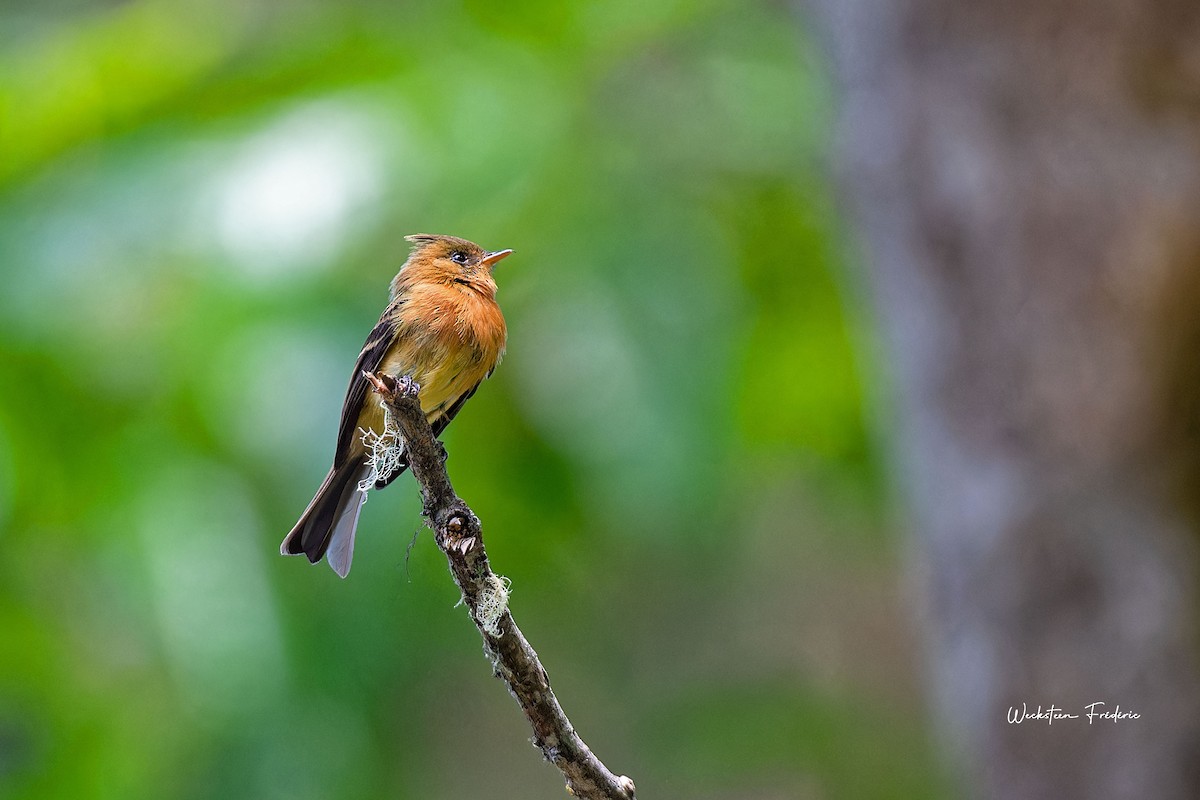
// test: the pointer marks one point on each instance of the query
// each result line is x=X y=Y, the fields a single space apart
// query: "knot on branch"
x=457 y=530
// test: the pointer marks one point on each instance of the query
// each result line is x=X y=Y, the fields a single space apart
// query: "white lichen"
x=492 y=603
x=385 y=452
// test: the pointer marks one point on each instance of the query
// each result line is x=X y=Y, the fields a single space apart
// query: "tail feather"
x=340 y=550
x=332 y=512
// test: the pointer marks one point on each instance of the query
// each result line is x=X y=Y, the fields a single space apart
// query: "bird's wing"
x=370 y=359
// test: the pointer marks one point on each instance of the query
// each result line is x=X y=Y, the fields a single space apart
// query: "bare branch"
x=458 y=533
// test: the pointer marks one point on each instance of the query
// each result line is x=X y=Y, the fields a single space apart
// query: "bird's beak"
x=491 y=258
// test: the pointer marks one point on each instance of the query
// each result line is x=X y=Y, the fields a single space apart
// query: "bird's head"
x=449 y=259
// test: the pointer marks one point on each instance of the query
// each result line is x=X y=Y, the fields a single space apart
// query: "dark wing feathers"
x=369 y=360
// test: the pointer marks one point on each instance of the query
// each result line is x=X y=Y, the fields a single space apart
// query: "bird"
x=443 y=330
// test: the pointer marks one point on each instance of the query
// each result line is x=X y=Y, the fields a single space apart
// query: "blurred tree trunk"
x=1026 y=177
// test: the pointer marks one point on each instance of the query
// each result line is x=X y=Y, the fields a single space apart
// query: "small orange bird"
x=443 y=330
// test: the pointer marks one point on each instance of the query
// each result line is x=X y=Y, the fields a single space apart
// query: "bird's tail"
x=326 y=528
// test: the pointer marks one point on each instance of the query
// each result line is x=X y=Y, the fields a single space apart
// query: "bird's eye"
x=458 y=257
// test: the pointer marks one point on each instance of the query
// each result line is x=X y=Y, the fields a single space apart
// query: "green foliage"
x=201 y=205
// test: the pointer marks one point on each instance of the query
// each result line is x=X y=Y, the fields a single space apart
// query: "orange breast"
x=450 y=338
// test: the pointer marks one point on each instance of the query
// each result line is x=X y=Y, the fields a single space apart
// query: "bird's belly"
x=443 y=379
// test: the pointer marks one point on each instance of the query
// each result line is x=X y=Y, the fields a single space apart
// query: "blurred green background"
x=201 y=205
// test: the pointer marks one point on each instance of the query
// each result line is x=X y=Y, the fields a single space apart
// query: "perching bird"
x=444 y=330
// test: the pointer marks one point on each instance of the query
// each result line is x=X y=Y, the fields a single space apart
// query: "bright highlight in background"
x=289 y=198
